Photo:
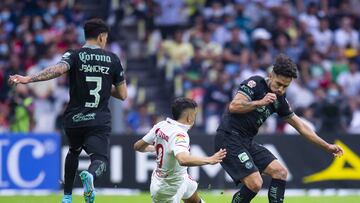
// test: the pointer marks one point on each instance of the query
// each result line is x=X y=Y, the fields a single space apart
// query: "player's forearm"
x=241 y=106
x=310 y=135
x=49 y=73
x=193 y=161
x=142 y=146
x=149 y=148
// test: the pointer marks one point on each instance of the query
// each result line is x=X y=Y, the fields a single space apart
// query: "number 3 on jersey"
x=94 y=92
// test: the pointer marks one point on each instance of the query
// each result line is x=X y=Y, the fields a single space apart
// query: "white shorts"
x=172 y=191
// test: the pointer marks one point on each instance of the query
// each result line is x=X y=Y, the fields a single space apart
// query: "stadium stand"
x=198 y=48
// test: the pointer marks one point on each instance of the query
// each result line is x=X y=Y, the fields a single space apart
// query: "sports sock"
x=276 y=191
x=244 y=195
x=71 y=165
x=97 y=168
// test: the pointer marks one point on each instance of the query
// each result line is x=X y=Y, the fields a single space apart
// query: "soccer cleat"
x=88 y=182
x=66 y=199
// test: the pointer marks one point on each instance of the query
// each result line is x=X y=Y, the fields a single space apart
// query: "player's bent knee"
x=254 y=184
x=283 y=173
x=280 y=173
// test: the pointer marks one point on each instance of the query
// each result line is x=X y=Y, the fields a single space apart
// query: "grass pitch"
x=145 y=197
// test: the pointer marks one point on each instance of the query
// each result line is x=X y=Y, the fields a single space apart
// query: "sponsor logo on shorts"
x=81 y=117
x=243 y=157
x=248 y=165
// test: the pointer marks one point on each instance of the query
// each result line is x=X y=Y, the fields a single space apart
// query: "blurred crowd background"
x=201 y=49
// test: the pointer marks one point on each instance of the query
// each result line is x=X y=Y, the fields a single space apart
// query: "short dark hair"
x=181 y=104
x=285 y=66
x=94 y=27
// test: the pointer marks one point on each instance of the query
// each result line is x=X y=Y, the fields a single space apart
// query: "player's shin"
x=244 y=195
x=97 y=166
x=71 y=165
x=276 y=191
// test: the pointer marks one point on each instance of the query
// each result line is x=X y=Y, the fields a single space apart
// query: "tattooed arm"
x=50 y=72
x=241 y=104
x=46 y=74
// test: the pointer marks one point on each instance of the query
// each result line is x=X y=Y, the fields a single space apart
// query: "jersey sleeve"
x=119 y=75
x=181 y=143
x=68 y=58
x=150 y=136
x=284 y=110
x=249 y=88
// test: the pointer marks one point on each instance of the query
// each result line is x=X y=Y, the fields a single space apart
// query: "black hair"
x=94 y=27
x=181 y=104
x=312 y=5
x=285 y=66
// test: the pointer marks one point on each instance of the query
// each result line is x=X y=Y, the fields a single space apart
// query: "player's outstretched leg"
x=252 y=185
x=71 y=165
x=244 y=195
x=276 y=191
x=88 y=182
x=96 y=169
x=278 y=182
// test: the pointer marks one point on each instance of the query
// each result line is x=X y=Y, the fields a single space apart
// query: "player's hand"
x=18 y=79
x=217 y=157
x=268 y=99
x=335 y=150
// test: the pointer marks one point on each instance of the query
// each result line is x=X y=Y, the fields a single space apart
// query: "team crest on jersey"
x=248 y=165
x=66 y=55
x=243 y=157
x=180 y=139
x=251 y=84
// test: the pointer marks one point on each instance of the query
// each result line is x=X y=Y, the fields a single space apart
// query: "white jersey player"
x=170 y=182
